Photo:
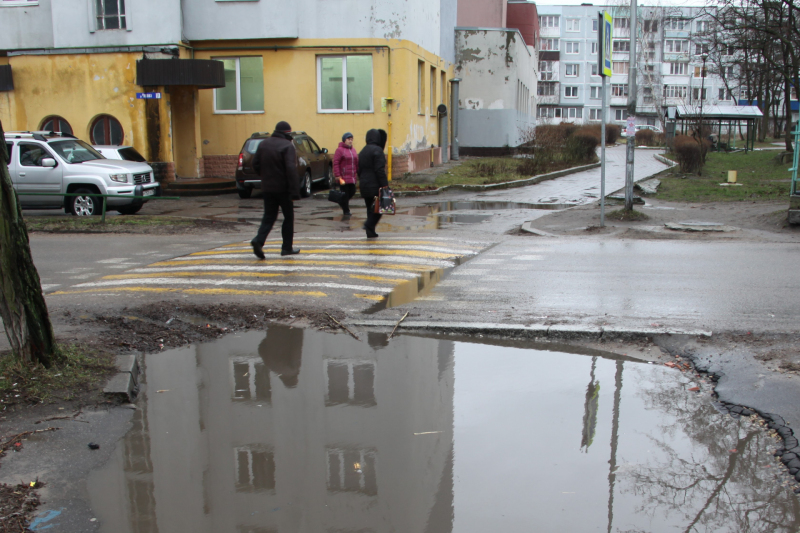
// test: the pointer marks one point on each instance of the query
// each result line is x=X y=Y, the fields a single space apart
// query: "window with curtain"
x=344 y=83
x=244 y=86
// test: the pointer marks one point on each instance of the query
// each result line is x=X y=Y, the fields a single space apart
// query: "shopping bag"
x=336 y=196
x=384 y=202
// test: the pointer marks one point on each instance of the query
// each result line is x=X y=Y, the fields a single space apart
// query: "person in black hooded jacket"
x=372 y=176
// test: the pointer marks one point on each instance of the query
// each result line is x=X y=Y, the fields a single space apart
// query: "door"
x=32 y=177
x=304 y=155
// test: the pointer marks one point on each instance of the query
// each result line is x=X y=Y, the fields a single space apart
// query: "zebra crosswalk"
x=370 y=270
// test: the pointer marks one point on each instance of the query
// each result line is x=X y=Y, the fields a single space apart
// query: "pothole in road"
x=302 y=430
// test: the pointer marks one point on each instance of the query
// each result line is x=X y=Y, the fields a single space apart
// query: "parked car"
x=640 y=127
x=57 y=163
x=127 y=153
x=314 y=164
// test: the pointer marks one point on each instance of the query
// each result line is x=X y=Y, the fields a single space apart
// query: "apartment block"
x=669 y=64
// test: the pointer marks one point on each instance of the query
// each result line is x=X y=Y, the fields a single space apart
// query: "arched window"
x=56 y=124
x=107 y=130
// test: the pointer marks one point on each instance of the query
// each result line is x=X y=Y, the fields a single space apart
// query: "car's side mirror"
x=324 y=150
x=48 y=162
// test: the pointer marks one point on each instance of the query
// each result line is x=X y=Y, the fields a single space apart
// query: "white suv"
x=47 y=162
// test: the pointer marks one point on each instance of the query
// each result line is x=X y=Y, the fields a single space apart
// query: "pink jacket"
x=345 y=163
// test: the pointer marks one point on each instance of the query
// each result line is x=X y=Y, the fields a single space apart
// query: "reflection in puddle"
x=305 y=431
x=493 y=206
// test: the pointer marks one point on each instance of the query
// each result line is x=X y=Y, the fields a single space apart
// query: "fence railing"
x=103 y=196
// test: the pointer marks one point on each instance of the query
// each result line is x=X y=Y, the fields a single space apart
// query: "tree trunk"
x=787 y=88
x=22 y=305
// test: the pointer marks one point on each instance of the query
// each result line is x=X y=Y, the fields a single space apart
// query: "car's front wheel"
x=84 y=206
x=332 y=181
x=305 y=187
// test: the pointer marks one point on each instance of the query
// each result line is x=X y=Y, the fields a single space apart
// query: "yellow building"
x=189 y=105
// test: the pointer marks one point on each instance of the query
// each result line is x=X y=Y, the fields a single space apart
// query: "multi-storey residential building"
x=669 y=62
x=220 y=70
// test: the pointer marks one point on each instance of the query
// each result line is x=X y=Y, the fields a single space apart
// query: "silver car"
x=45 y=165
x=127 y=153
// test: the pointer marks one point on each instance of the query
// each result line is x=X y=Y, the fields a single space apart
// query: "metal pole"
x=631 y=145
x=443 y=134
x=603 y=156
x=454 y=111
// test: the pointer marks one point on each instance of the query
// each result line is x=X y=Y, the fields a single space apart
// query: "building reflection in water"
x=292 y=431
x=305 y=431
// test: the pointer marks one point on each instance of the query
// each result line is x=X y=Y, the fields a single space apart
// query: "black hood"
x=377 y=137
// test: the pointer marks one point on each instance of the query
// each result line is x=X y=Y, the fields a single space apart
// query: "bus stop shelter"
x=686 y=118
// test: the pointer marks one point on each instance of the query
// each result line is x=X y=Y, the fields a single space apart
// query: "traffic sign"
x=148 y=96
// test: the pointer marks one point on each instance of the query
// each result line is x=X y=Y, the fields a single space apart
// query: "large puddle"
x=303 y=431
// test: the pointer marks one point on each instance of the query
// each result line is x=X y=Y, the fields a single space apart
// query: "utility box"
x=732 y=174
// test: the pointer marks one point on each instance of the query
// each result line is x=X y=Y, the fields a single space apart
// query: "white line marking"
x=318 y=257
x=409 y=248
x=230 y=268
x=471 y=272
x=220 y=282
x=50 y=286
x=114 y=260
x=527 y=257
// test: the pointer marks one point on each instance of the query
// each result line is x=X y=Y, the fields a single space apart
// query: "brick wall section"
x=399 y=165
x=163 y=172
x=415 y=161
x=218 y=166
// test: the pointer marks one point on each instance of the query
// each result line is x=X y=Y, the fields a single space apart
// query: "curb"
x=124 y=385
x=669 y=162
x=528 y=227
x=556 y=331
x=506 y=185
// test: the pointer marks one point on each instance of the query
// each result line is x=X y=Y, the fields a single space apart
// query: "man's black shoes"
x=257 y=250
x=290 y=252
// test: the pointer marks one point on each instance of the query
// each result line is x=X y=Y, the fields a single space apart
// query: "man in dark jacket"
x=372 y=176
x=274 y=161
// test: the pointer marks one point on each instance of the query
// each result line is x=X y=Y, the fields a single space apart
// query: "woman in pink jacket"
x=345 y=169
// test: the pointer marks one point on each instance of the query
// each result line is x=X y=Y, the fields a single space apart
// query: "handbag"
x=336 y=196
x=384 y=202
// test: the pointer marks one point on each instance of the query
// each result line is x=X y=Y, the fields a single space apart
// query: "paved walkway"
x=584 y=187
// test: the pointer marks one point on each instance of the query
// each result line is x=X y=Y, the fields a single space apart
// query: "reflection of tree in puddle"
x=713 y=487
x=590 y=409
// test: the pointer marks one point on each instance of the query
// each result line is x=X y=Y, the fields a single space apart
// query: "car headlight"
x=122 y=178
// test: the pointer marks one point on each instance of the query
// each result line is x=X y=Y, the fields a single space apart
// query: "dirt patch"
x=17 y=504
x=133 y=225
x=753 y=220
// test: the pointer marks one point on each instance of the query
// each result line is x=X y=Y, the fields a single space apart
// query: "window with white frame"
x=729 y=72
x=548 y=21
x=675 y=91
x=548 y=45
x=573 y=112
x=595 y=93
x=572 y=47
x=546 y=88
x=573 y=24
x=677 y=68
x=594 y=47
x=700 y=49
x=700 y=72
x=548 y=112
x=244 y=86
x=620 y=67
x=651 y=26
x=255 y=468
x=595 y=114
x=619 y=89
x=621 y=23
x=726 y=50
x=676 y=24
x=594 y=69
x=620 y=115
x=647 y=93
x=250 y=380
x=344 y=84
x=352 y=470
x=649 y=68
x=725 y=94
x=696 y=93
x=570 y=92
x=110 y=14
x=350 y=382
x=621 y=46
x=594 y=25
x=702 y=25
x=676 y=45
x=571 y=70
x=546 y=70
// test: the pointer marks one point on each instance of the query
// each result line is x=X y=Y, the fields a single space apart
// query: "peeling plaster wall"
x=491 y=65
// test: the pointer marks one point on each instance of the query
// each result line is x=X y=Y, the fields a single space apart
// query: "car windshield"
x=74 y=151
x=130 y=154
x=251 y=145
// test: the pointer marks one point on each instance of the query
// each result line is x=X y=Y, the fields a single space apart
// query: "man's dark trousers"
x=273 y=201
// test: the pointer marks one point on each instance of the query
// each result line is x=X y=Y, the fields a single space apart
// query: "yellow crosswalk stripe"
x=328 y=251
x=316 y=294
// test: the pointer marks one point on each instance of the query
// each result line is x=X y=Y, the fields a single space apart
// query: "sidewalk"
x=584 y=187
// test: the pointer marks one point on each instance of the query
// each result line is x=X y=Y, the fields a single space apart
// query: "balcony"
x=675 y=57
x=547 y=100
x=676 y=34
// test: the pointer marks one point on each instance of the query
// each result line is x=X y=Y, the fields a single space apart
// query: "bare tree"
x=22 y=305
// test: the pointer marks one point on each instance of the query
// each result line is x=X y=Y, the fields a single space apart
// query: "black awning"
x=6 y=81
x=548 y=55
x=203 y=73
